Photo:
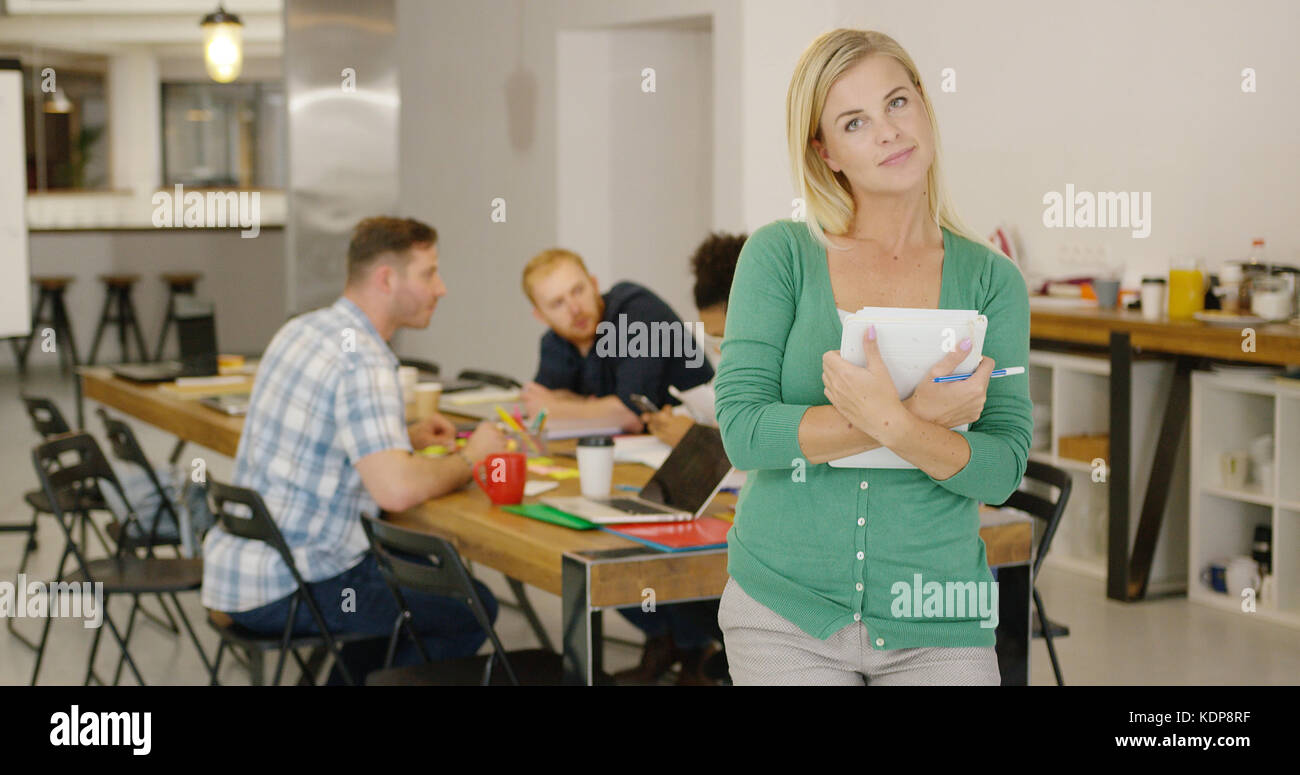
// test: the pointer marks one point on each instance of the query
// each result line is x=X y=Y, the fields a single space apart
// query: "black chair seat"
x=114 y=530
x=38 y=500
x=534 y=667
x=137 y=575
x=243 y=637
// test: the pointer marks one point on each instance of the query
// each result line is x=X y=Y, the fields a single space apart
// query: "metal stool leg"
x=36 y=322
x=167 y=324
x=134 y=322
x=99 y=330
x=63 y=329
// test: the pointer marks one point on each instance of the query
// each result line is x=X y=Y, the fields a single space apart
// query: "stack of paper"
x=910 y=341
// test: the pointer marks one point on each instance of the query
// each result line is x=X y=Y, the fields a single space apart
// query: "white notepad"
x=911 y=341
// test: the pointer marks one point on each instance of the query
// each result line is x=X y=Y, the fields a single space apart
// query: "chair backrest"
x=1049 y=511
x=46 y=417
x=122 y=441
x=499 y=380
x=444 y=574
x=74 y=464
x=250 y=519
x=429 y=367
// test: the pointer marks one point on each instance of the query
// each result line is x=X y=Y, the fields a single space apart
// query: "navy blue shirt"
x=641 y=347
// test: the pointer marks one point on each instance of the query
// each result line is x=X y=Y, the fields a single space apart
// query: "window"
x=223 y=135
x=66 y=121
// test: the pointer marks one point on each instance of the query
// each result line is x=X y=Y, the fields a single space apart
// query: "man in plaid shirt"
x=325 y=439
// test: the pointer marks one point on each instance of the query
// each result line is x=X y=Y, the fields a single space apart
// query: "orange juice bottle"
x=1186 y=290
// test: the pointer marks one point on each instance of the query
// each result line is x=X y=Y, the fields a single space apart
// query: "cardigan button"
x=880 y=641
x=861 y=555
x=857 y=617
x=863 y=486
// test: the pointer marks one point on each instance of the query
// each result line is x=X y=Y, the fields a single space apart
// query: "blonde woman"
x=822 y=559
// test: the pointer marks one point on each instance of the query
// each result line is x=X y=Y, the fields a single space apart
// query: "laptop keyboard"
x=635 y=507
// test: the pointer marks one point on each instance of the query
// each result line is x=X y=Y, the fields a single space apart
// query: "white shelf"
x=1228 y=412
x=1076 y=390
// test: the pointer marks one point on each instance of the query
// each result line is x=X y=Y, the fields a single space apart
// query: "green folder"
x=544 y=513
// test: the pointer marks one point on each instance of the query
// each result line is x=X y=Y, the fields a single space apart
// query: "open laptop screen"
x=692 y=472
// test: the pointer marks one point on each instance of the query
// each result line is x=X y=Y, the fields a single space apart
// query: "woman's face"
x=875 y=130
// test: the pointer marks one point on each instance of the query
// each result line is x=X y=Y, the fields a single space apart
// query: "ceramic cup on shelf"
x=1241 y=573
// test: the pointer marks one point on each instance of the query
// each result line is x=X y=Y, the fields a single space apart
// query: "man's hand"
x=535 y=398
x=431 y=430
x=948 y=404
x=486 y=439
x=666 y=426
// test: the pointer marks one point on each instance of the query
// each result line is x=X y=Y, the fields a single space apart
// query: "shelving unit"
x=1228 y=411
x=1076 y=387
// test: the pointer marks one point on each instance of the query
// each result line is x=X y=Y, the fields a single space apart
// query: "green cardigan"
x=824 y=547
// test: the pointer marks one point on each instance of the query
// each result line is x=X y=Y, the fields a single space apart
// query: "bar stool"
x=177 y=282
x=51 y=289
x=117 y=289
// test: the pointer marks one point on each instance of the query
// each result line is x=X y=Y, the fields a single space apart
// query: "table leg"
x=1121 y=428
x=1014 y=626
x=583 y=649
x=525 y=606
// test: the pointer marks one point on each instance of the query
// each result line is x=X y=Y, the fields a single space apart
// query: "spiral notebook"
x=911 y=341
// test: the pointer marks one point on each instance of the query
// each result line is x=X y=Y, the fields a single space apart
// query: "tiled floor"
x=1168 y=641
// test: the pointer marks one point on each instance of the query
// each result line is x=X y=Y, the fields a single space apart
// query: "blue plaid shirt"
x=326 y=395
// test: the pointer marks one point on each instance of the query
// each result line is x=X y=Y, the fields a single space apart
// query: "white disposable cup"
x=1153 y=300
x=427 y=395
x=596 y=470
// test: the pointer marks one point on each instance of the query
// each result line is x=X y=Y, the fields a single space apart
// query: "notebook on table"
x=911 y=341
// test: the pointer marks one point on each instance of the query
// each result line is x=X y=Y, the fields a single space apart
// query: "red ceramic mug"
x=502 y=475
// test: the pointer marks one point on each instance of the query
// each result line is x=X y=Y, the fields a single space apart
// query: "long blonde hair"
x=827 y=194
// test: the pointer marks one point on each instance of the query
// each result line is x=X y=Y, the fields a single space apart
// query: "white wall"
x=634 y=194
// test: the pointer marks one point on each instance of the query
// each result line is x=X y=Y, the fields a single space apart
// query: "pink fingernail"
x=871 y=332
x=965 y=343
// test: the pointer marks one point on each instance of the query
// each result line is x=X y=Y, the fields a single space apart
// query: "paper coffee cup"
x=427 y=395
x=596 y=466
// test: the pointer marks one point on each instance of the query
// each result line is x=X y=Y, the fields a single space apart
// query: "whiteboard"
x=15 y=298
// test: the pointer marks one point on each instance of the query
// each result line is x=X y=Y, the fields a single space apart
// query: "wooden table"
x=1190 y=344
x=590 y=570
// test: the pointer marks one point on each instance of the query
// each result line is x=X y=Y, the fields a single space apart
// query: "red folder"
x=703 y=533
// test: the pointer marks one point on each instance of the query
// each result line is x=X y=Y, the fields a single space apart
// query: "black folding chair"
x=48 y=422
x=428 y=367
x=69 y=466
x=489 y=378
x=1049 y=512
x=445 y=576
x=242 y=513
x=126 y=448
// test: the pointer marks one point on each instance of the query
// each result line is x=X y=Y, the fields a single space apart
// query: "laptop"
x=678 y=492
x=196 y=327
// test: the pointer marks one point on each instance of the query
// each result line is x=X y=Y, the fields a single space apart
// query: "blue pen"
x=996 y=373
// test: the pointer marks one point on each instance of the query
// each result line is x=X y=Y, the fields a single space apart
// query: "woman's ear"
x=820 y=148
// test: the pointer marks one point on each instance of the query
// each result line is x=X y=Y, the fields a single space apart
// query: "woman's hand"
x=666 y=426
x=948 y=404
x=865 y=396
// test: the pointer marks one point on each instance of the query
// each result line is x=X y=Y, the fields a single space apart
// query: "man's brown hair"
x=382 y=235
x=542 y=264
